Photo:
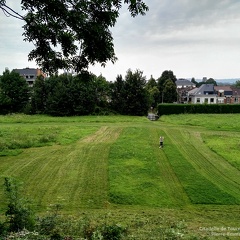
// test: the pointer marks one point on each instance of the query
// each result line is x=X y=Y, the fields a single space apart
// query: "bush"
x=113 y=232
x=19 y=214
x=105 y=231
x=167 y=109
x=3 y=229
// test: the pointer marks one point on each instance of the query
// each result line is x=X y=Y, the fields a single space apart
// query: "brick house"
x=224 y=94
x=235 y=95
x=183 y=86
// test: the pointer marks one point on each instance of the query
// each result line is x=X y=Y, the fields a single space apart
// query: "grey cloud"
x=175 y=15
x=180 y=22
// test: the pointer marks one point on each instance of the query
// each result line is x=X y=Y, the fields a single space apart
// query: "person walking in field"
x=161 y=141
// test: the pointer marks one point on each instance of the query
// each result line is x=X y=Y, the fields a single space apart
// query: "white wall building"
x=204 y=94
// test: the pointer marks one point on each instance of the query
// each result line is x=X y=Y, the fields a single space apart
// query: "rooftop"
x=203 y=89
x=225 y=88
x=27 y=71
x=184 y=82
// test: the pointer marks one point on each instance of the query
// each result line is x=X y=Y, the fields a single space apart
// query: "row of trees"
x=85 y=93
x=204 y=81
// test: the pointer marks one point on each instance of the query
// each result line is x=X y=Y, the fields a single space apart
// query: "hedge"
x=167 y=109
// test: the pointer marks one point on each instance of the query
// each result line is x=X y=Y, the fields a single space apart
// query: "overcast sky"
x=193 y=38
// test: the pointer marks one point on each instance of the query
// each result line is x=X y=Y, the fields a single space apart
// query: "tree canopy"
x=14 y=92
x=165 y=89
x=71 y=34
x=211 y=81
x=129 y=96
x=83 y=94
x=237 y=84
x=154 y=93
x=208 y=81
x=169 y=91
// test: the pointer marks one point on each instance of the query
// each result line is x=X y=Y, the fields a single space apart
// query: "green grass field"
x=112 y=166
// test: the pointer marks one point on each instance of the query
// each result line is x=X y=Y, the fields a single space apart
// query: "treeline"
x=85 y=94
x=204 y=81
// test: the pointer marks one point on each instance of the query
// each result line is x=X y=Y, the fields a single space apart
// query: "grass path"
x=172 y=183
x=134 y=177
x=140 y=173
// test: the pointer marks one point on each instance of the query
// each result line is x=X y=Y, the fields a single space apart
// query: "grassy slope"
x=115 y=163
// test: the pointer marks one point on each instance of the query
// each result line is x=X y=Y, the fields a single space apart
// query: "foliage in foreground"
x=21 y=223
x=81 y=29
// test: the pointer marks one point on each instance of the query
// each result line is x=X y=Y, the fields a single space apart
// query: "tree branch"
x=7 y=10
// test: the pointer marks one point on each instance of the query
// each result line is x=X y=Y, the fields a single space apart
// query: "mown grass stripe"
x=134 y=174
x=203 y=161
x=225 y=145
x=199 y=189
x=172 y=183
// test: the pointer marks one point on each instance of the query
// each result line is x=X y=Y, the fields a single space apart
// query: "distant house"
x=184 y=83
x=228 y=94
x=30 y=74
x=204 y=94
x=208 y=93
x=224 y=94
x=236 y=95
x=183 y=86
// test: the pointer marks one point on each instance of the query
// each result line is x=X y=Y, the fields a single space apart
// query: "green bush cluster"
x=167 y=109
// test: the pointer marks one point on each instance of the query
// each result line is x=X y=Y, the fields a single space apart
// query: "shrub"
x=19 y=214
x=49 y=225
x=105 y=231
x=167 y=109
x=113 y=232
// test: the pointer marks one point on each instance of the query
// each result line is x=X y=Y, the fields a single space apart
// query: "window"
x=206 y=100
x=198 y=100
x=236 y=100
x=211 y=100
